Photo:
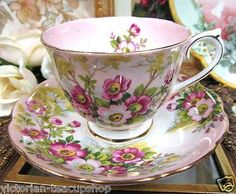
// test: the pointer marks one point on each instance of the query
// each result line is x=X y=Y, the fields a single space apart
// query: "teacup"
x=117 y=71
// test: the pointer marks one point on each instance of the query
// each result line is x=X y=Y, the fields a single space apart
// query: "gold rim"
x=111 y=53
x=125 y=182
x=198 y=56
x=118 y=140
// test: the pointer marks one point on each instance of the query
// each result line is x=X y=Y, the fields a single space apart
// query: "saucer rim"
x=115 y=183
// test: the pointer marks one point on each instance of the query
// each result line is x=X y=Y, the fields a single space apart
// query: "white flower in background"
x=26 y=46
x=14 y=83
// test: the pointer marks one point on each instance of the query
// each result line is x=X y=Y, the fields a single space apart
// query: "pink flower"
x=169 y=76
x=162 y=2
x=56 y=121
x=89 y=166
x=114 y=170
x=75 y=124
x=35 y=107
x=80 y=98
x=202 y=109
x=134 y=30
x=192 y=99
x=115 y=114
x=34 y=133
x=68 y=151
x=126 y=47
x=144 y=3
x=128 y=155
x=114 y=89
x=138 y=105
x=172 y=106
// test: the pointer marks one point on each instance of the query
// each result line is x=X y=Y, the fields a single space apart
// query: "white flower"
x=26 y=46
x=14 y=83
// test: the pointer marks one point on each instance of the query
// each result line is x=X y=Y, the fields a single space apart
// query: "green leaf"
x=139 y=90
x=106 y=163
x=76 y=141
x=151 y=91
x=69 y=138
x=114 y=44
x=125 y=96
x=30 y=149
x=101 y=103
x=62 y=141
x=147 y=149
x=102 y=157
x=138 y=118
x=149 y=155
x=60 y=160
x=82 y=78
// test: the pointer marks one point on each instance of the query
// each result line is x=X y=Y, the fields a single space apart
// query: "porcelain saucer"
x=206 y=15
x=55 y=139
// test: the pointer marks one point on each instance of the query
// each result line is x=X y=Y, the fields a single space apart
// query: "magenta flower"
x=169 y=76
x=172 y=106
x=68 y=151
x=192 y=99
x=56 y=121
x=128 y=155
x=134 y=30
x=35 y=107
x=115 y=114
x=89 y=166
x=114 y=170
x=80 y=98
x=114 y=89
x=202 y=109
x=34 y=133
x=138 y=105
x=126 y=47
x=75 y=124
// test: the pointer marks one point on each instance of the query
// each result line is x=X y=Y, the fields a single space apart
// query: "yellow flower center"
x=86 y=167
x=65 y=152
x=34 y=133
x=116 y=117
x=128 y=156
x=135 y=107
x=114 y=88
x=202 y=109
x=81 y=98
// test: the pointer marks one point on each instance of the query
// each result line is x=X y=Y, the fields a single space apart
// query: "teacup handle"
x=214 y=37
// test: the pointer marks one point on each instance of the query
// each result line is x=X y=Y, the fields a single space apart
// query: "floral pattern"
x=60 y=141
x=127 y=43
x=56 y=143
x=195 y=106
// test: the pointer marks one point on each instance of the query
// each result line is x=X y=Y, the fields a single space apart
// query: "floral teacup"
x=117 y=71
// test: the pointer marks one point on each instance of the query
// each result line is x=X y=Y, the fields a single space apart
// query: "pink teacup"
x=117 y=71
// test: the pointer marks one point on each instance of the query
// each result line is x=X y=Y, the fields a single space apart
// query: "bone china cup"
x=117 y=71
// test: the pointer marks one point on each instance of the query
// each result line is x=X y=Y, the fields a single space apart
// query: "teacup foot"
x=120 y=136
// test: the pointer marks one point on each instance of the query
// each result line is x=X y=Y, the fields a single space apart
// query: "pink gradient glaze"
x=91 y=35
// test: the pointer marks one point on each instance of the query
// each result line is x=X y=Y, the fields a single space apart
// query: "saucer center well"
x=115 y=136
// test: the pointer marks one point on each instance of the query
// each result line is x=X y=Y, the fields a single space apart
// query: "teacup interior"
x=115 y=34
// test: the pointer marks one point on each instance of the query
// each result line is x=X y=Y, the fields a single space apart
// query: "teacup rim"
x=138 y=52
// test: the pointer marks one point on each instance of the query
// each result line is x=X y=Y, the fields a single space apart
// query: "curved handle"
x=214 y=37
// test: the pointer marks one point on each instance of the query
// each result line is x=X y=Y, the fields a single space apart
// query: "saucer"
x=205 y=15
x=55 y=139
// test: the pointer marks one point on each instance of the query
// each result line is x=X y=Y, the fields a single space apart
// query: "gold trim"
x=199 y=57
x=104 y=8
x=125 y=182
x=116 y=183
x=118 y=140
x=13 y=176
